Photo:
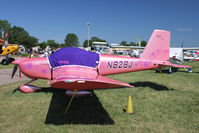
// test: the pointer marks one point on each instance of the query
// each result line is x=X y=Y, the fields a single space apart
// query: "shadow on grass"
x=196 y=72
x=152 y=85
x=193 y=70
x=15 y=90
x=85 y=110
x=166 y=71
x=189 y=72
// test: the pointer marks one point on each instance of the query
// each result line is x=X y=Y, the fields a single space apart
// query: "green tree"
x=62 y=45
x=30 y=42
x=51 y=43
x=18 y=35
x=93 y=39
x=43 y=44
x=71 y=40
x=143 y=43
x=123 y=43
x=132 y=44
x=96 y=39
x=85 y=44
x=6 y=26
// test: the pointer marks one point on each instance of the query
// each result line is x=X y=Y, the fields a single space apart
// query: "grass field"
x=162 y=103
x=6 y=66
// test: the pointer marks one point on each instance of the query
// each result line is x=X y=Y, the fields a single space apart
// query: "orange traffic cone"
x=129 y=107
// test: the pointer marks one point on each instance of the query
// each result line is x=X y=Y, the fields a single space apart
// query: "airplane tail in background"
x=158 y=46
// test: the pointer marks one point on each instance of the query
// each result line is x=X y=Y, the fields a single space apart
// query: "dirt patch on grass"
x=5 y=77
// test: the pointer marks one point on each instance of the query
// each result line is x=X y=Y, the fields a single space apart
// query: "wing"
x=87 y=84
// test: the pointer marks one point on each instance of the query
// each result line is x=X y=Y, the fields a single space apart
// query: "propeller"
x=14 y=70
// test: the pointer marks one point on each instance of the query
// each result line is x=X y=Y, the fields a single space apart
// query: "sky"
x=112 y=20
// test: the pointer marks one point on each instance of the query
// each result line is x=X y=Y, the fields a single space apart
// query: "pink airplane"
x=78 y=71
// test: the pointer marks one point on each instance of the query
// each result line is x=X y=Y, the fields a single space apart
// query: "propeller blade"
x=14 y=70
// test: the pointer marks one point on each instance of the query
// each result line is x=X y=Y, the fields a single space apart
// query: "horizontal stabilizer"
x=87 y=84
x=173 y=65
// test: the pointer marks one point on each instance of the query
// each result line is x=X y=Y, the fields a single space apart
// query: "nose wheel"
x=27 y=88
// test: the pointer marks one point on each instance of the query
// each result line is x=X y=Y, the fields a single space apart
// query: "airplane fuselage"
x=113 y=64
x=109 y=64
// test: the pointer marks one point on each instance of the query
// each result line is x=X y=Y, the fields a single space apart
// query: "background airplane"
x=6 y=49
x=78 y=71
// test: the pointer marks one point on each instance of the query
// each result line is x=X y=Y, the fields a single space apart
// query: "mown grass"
x=6 y=66
x=161 y=102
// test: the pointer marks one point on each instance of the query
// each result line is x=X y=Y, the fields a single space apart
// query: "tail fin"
x=158 y=46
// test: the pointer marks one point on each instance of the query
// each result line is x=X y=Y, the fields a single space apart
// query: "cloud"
x=184 y=29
